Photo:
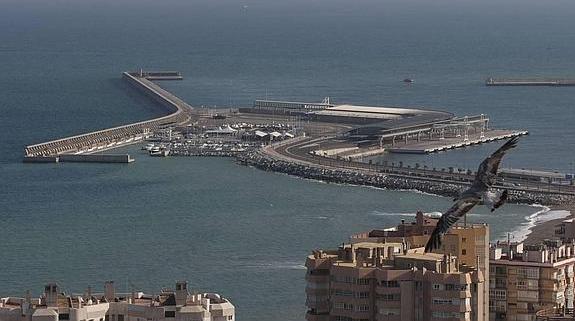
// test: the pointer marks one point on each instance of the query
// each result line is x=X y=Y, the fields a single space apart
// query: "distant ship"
x=408 y=80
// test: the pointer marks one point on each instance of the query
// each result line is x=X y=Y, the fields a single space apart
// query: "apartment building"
x=527 y=279
x=169 y=305
x=565 y=230
x=384 y=275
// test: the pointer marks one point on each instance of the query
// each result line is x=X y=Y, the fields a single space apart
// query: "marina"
x=323 y=135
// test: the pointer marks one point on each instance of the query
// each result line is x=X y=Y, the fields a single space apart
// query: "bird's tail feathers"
x=502 y=200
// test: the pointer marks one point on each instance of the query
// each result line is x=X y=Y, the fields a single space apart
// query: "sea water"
x=231 y=229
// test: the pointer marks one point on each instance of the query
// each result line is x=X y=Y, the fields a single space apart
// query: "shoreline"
x=546 y=230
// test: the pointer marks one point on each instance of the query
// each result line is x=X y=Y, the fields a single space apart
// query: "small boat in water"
x=148 y=147
x=160 y=153
x=408 y=81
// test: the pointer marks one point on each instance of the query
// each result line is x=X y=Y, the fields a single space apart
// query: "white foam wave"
x=545 y=214
x=410 y=214
x=287 y=265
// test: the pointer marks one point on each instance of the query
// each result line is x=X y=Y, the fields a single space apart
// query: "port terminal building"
x=382 y=125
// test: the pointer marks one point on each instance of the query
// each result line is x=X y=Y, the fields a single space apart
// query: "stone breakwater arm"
x=275 y=158
x=116 y=136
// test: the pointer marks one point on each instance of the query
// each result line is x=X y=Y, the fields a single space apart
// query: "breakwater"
x=89 y=158
x=122 y=135
x=264 y=161
x=530 y=82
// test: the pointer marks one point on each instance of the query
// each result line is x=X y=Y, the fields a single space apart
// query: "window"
x=389 y=311
x=343 y=306
x=501 y=283
x=170 y=314
x=500 y=270
x=531 y=273
x=343 y=293
x=390 y=297
x=363 y=281
x=498 y=294
x=120 y=317
x=445 y=301
x=64 y=316
x=463 y=252
x=362 y=308
x=437 y=286
x=362 y=295
x=389 y=284
x=463 y=239
x=444 y=314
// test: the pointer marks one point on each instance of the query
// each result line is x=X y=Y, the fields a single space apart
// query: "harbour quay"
x=370 y=130
x=110 y=305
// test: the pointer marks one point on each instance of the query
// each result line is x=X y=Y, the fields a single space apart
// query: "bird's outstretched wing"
x=447 y=220
x=487 y=171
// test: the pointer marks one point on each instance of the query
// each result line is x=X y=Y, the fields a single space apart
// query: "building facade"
x=527 y=279
x=169 y=305
x=384 y=275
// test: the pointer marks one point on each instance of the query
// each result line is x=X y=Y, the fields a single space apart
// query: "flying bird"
x=479 y=192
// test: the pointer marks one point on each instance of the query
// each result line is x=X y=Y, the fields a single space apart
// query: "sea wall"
x=381 y=180
x=95 y=158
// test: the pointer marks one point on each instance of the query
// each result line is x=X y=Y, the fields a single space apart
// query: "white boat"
x=148 y=147
x=160 y=153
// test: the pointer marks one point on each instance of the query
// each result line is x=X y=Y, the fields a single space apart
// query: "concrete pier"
x=529 y=82
x=79 y=158
x=96 y=158
x=425 y=147
x=98 y=141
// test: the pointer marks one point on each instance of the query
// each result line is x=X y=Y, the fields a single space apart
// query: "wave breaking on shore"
x=545 y=214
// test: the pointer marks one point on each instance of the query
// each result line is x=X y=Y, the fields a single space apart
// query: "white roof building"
x=169 y=305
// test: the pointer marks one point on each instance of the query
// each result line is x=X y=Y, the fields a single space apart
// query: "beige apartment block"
x=566 y=230
x=384 y=275
x=169 y=305
x=530 y=279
